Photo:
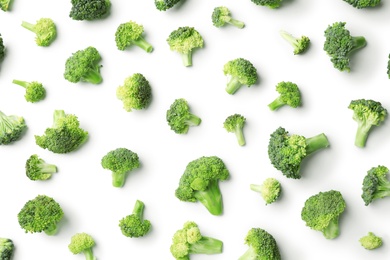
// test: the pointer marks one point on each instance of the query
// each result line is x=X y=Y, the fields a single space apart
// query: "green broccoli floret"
x=2 y=49
x=375 y=184
x=180 y=118
x=44 y=29
x=82 y=243
x=89 y=9
x=4 y=5
x=189 y=240
x=235 y=124
x=366 y=113
x=135 y=93
x=268 y=3
x=300 y=44
x=222 y=15
x=6 y=248
x=388 y=63
x=200 y=182
x=34 y=90
x=184 y=40
x=262 y=245
x=241 y=72
x=130 y=33
x=269 y=190
x=135 y=225
x=42 y=213
x=11 y=128
x=363 y=3
x=289 y=95
x=163 y=5
x=370 y=241
x=322 y=211
x=64 y=136
x=120 y=161
x=286 y=152
x=38 y=169
x=339 y=45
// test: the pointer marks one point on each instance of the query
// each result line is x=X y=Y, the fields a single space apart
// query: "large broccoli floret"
x=375 y=184
x=268 y=3
x=89 y=9
x=64 y=136
x=130 y=33
x=286 y=152
x=184 y=40
x=200 y=182
x=189 y=240
x=2 y=49
x=11 y=128
x=241 y=72
x=289 y=95
x=120 y=161
x=4 y=5
x=366 y=113
x=82 y=243
x=262 y=246
x=221 y=16
x=6 y=248
x=135 y=92
x=363 y=3
x=42 y=213
x=235 y=124
x=339 y=45
x=44 y=29
x=269 y=190
x=38 y=169
x=370 y=241
x=135 y=225
x=300 y=45
x=34 y=90
x=180 y=118
x=163 y=5
x=322 y=211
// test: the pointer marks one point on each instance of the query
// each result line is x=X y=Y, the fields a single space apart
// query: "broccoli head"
x=163 y=5
x=34 y=90
x=2 y=49
x=300 y=45
x=370 y=241
x=135 y=225
x=130 y=33
x=359 y=4
x=38 y=169
x=7 y=248
x=44 y=29
x=200 y=182
x=235 y=124
x=268 y=3
x=289 y=95
x=179 y=117
x=64 y=136
x=42 y=213
x=221 y=16
x=241 y=72
x=262 y=245
x=11 y=128
x=339 y=45
x=269 y=190
x=89 y=9
x=375 y=184
x=184 y=40
x=4 y=5
x=82 y=243
x=366 y=113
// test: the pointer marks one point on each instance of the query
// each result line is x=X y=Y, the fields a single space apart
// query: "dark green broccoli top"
x=363 y=3
x=2 y=49
x=269 y=3
x=163 y=5
x=89 y=9
x=375 y=184
x=6 y=248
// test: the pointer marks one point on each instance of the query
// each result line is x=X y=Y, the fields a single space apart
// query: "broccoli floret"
x=268 y=3
x=300 y=44
x=130 y=33
x=366 y=113
x=269 y=190
x=322 y=211
x=89 y=9
x=163 y=5
x=6 y=248
x=135 y=225
x=235 y=124
x=289 y=95
x=84 y=65
x=363 y=3
x=286 y=152
x=120 y=161
x=241 y=72
x=370 y=241
x=64 y=136
x=222 y=15
x=42 y=213
x=339 y=45
x=4 y=5
x=375 y=184
x=200 y=182
x=189 y=240
x=38 y=169
x=82 y=243
x=262 y=245
x=11 y=128
x=34 y=90
x=135 y=93
x=44 y=29
x=184 y=40
x=180 y=118
x=2 y=49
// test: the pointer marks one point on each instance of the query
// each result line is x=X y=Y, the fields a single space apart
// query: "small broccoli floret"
x=221 y=16
x=363 y=3
x=2 y=49
x=38 y=169
x=34 y=90
x=366 y=113
x=339 y=45
x=375 y=184
x=268 y=3
x=322 y=211
x=163 y=5
x=6 y=248
x=300 y=45
x=286 y=152
x=200 y=182
x=241 y=72
x=184 y=40
x=89 y=9
x=11 y=128
x=289 y=95
x=42 y=213
x=44 y=29
x=130 y=33
x=135 y=92
x=135 y=225
x=189 y=240
x=4 y=5
x=120 y=161
x=269 y=190
x=179 y=117
x=262 y=245
x=235 y=124
x=371 y=241
x=82 y=243
x=64 y=136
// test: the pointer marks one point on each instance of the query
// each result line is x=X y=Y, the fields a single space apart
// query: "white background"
x=83 y=187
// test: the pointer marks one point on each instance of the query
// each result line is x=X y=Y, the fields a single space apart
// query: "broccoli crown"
x=2 y=49
x=4 y=5
x=42 y=213
x=321 y=212
x=131 y=33
x=135 y=93
x=134 y=225
x=6 y=248
x=163 y=5
x=269 y=3
x=235 y=124
x=221 y=16
x=262 y=245
x=300 y=45
x=375 y=184
x=44 y=29
x=82 y=243
x=120 y=160
x=38 y=169
x=34 y=90
x=242 y=72
x=64 y=136
x=11 y=128
x=179 y=117
x=89 y=9
x=363 y=3
x=289 y=95
x=269 y=190
x=84 y=65
x=185 y=39
x=370 y=241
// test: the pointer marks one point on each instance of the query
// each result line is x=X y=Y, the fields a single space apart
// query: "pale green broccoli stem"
x=240 y=135
x=142 y=43
x=362 y=134
x=138 y=209
x=51 y=230
x=206 y=245
x=47 y=168
x=276 y=104
x=250 y=254
x=88 y=254
x=316 y=143
x=187 y=58
x=118 y=179
x=29 y=26
x=21 y=83
x=289 y=38
x=93 y=76
x=332 y=230
x=256 y=187
x=233 y=85
x=211 y=198
x=383 y=188
x=58 y=114
x=236 y=23
x=193 y=120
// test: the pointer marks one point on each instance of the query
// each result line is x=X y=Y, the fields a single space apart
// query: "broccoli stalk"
x=261 y=245
x=82 y=243
x=134 y=225
x=235 y=124
x=34 y=90
x=241 y=72
x=45 y=31
x=300 y=45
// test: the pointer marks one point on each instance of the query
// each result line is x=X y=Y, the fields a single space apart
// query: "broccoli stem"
x=236 y=23
x=93 y=76
x=358 y=42
x=142 y=43
x=138 y=209
x=206 y=245
x=51 y=230
x=21 y=83
x=47 y=168
x=289 y=38
x=362 y=134
x=255 y=187
x=211 y=198
x=276 y=104
x=193 y=120
x=58 y=114
x=28 y=26
x=89 y=254
x=316 y=143
x=383 y=188
x=118 y=179
x=332 y=230
x=187 y=59
x=250 y=254
x=233 y=85
x=240 y=135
